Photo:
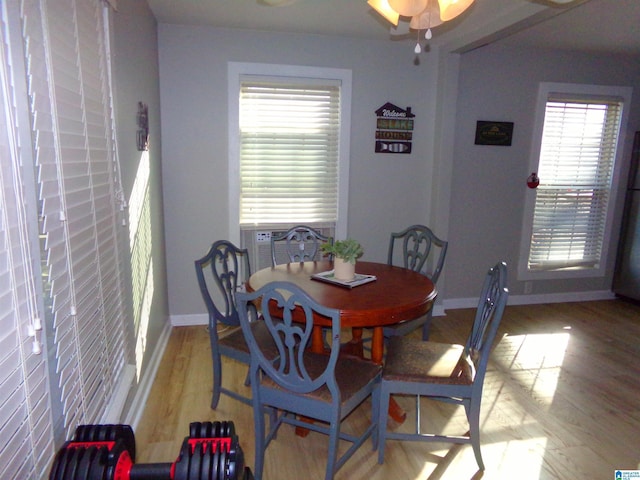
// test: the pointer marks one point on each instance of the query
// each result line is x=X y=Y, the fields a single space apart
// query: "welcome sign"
x=394 y=129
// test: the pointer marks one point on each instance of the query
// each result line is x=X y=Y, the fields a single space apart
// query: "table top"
x=398 y=294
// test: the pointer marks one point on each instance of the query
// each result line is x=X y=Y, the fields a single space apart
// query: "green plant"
x=348 y=250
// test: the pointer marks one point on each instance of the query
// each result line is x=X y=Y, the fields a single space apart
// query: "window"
x=289 y=135
x=569 y=218
x=26 y=428
x=289 y=153
x=81 y=283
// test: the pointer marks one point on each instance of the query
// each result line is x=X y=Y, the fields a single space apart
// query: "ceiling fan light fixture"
x=277 y=3
x=429 y=18
x=408 y=8
x=384 y=9
x=450 y=9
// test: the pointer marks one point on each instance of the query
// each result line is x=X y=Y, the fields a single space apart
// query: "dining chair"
x=419 y=247
x=301 y=243
x=221 y=273
x=324 y=387
x=443 y=372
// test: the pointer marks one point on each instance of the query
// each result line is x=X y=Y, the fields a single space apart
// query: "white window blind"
x=289 y=149
x=577 y=157
x=77 y=172
x=25 y=417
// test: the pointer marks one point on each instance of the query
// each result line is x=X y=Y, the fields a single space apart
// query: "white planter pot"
x=343 y=270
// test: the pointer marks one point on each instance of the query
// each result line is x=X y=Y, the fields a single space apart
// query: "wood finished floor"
x=561 y=401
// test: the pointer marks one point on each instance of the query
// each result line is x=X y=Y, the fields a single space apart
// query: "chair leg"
x=375 y=406
x=426 y=326
x=383 y=408
x=334 y=438
x=258 y=420
x=473 y=416
x=217 y=381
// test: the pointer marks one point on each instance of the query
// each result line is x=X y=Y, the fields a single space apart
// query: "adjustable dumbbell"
x=107 y=452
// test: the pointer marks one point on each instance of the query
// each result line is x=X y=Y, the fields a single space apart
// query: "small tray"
x=359 y=279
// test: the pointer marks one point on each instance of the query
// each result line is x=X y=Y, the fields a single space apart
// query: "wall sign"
x=142 y=135
x=394 y=129
x=494 y=133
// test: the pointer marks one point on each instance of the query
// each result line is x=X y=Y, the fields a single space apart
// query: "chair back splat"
x=302 y=244
x=443 y=372
x=300 y=381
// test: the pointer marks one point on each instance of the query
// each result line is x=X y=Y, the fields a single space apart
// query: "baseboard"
x=439 y=309
x=113 y=414
x=189 y=320
x=455 y=303
x=134 y=415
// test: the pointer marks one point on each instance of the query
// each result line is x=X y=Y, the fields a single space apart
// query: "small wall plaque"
x=394 y=129
x=142 y=135
x=494 y=133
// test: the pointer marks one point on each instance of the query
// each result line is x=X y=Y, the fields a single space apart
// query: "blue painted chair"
x=221 y=273
x=419 y=245
x=320 y=386
x=301 y=244
x=443 y=372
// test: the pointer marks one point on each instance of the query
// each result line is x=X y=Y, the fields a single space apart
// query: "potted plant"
x=345 y=253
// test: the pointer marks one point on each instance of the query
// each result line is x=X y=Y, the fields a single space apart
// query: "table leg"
x=354 y=346
x=317 y=342
x=377 y=346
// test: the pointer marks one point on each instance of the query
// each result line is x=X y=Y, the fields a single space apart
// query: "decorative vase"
x=342 y=270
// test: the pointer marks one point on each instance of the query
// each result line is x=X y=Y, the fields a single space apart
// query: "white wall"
x=136 y=79
x=471 y=195
x=489 y=183
x=386 y=192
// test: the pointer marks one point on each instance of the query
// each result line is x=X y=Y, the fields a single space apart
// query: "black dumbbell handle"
x=151 y=471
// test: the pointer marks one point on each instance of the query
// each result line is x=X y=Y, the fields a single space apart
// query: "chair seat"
x=404 y=327
x=352 y=374
x=235 y=340
x=412 y=360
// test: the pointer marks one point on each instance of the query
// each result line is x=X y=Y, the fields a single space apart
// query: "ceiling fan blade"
x=400 y=30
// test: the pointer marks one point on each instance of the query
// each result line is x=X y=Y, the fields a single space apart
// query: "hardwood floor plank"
x=561 y=401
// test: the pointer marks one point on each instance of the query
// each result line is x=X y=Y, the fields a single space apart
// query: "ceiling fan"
x=277 y=3
x=408 y=15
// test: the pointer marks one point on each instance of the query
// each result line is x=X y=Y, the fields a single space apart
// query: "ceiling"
x=609 y=26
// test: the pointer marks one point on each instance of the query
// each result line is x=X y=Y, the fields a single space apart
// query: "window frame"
x=586 y=91
x=236 y=70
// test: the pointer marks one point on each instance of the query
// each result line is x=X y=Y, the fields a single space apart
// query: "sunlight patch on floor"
x=535 y=360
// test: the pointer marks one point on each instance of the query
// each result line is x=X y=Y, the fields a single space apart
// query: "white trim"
x=234 y=71
x=544 y=89
x=456 y=303
x=189 y=320
x=113 y=413
x=134 y=415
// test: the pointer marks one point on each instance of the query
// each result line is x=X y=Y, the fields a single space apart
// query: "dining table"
x=397 y=294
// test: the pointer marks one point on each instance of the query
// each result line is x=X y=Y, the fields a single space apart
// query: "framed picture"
x=494 y=133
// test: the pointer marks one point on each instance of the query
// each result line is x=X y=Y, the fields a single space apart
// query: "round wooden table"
x=398 y=294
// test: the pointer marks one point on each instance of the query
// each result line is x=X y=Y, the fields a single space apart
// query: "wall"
x=471 y=195
x=386 y=192
x=489 y=183
x=136 y=79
